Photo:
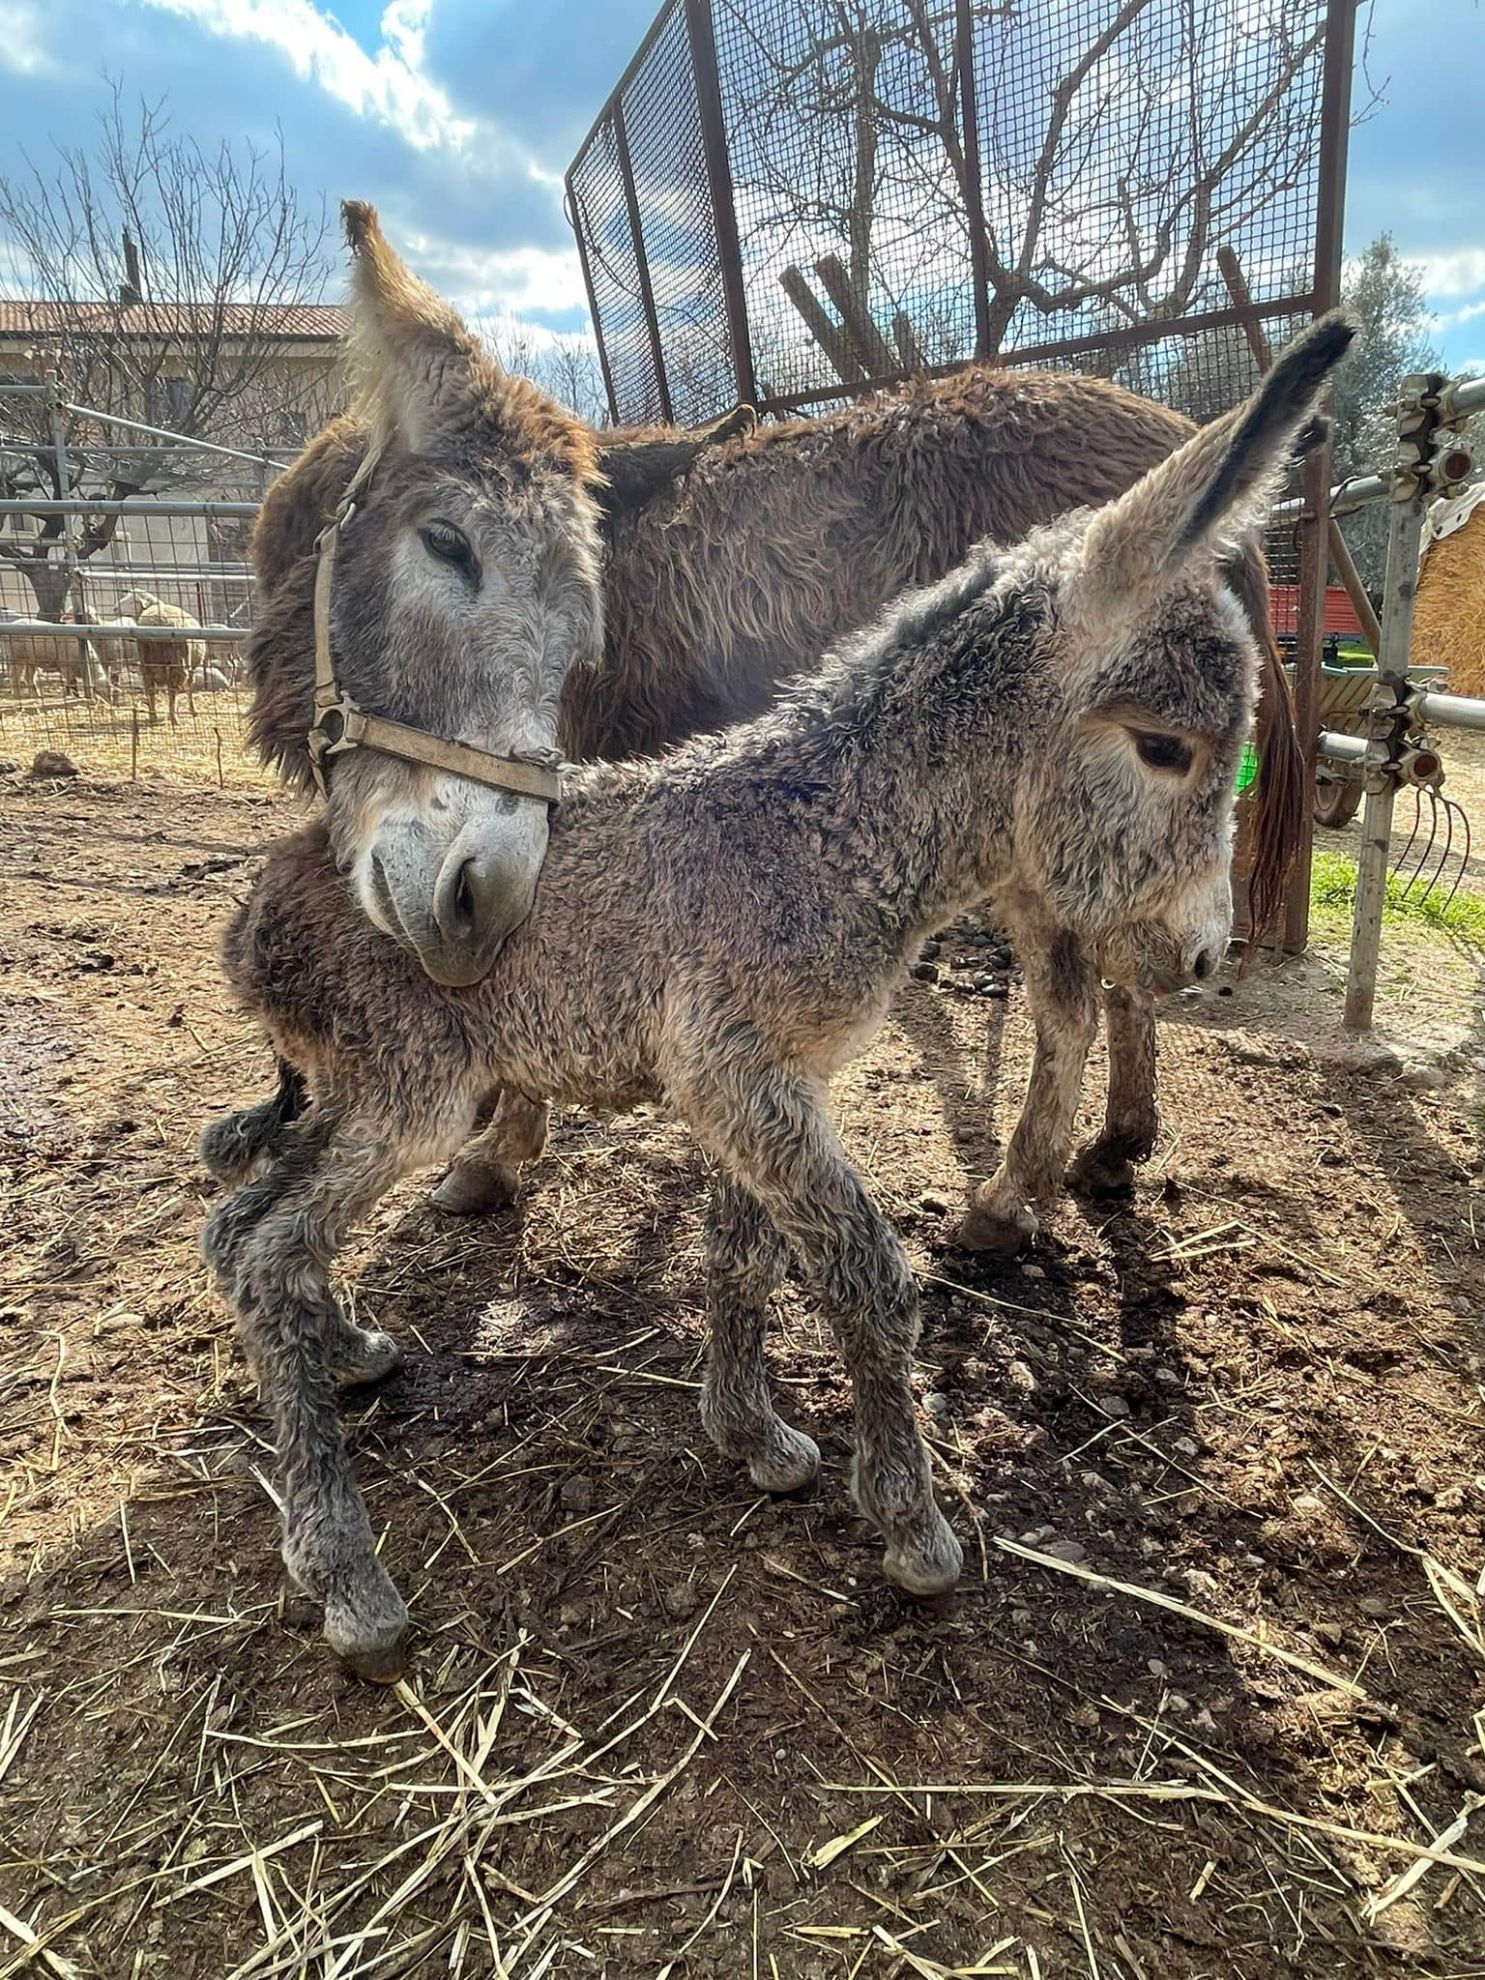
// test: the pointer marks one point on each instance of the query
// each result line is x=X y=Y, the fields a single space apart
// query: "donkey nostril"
x=464 y=900
x=1201 y=969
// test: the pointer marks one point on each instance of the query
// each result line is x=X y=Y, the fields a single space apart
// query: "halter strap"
x=339 y=725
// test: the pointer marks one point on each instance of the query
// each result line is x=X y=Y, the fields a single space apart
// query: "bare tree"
x=565 y=366
x=1097 y=181
x=167 y=269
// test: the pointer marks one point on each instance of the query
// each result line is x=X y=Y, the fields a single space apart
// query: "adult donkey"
x=728 y=568
x=1055 y=727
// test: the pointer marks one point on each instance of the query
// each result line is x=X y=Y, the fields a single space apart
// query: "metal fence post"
x=1411 y=476
x=974 y=193
x=641 y=261
x=64 y=487
x=577 y=221
x=703 y=45
x=1330 y=197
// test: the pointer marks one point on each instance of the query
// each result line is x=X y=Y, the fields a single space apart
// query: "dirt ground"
x=1212 y=1687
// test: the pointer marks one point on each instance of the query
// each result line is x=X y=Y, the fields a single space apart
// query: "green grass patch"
x=1333 y=894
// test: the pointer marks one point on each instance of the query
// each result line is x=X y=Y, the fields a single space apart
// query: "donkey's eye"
x=449 y=545
x=1162 y=752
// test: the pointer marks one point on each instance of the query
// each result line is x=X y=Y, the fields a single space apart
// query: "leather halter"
x=339 y=725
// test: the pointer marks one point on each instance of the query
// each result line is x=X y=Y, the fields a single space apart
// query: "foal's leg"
x=355 y=1355
x=1063 y=992
x=230 y=1146
x=1131 y=1121
x=769 y=1133
x=486 y=1175
x=272 y=1253
x=746 y=1258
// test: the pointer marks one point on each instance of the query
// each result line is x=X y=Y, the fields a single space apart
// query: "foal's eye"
x=449 y=545
x=1162 y=752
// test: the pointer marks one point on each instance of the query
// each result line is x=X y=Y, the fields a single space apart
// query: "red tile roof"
x=290 y=322
x=1340 y=613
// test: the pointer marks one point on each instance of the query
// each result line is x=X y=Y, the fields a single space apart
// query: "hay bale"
x=1449 y=612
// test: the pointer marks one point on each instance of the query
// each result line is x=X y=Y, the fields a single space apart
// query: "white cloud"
x=389 y=85
x=21 y=48
x=497 y=282
x=1459 y=272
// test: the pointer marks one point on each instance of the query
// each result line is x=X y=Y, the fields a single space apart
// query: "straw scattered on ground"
x=1209 y=1702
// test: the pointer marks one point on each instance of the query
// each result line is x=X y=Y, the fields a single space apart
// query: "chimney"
x=129 y=289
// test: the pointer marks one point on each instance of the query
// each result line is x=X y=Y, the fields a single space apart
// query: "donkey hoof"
x=369 y=1633
x=789 y=1463
x=1097 y=1174
x=986 y=1230
x=371 y=1359
x=929 y=1563
x=472 y=1190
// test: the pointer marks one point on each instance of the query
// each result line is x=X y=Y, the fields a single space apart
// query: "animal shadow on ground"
x=570 y=1543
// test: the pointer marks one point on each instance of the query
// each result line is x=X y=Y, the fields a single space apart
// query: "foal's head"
x=1127 y=813
x=466 y=584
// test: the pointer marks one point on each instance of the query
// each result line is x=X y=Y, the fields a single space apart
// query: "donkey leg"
x=1131 y=1120
x=1062 y=990
x=769 y=1132
x=230 y=1146
x=746 y=1258
x=486 y=1175
x=355 y=1355
x=272 y=1258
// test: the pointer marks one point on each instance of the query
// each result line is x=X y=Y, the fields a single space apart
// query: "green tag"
x=1247 y=769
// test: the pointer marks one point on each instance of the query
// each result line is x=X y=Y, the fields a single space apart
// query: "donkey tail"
x=1281 y=793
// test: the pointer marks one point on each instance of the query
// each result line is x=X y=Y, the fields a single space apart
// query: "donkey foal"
x=1055 y=727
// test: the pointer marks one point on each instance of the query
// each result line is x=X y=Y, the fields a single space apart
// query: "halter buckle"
x=338 y=726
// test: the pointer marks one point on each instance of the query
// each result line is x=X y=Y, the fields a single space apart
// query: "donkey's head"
x=466 y=583
x=1127 y=818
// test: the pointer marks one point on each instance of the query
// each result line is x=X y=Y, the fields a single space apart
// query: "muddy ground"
x=655 y=1725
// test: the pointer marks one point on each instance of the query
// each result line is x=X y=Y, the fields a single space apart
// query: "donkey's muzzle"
x=455 y=903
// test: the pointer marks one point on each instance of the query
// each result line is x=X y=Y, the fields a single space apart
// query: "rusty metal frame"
x=1314 y=562
x=703 y=43
x=962 y=84
x=641 y=260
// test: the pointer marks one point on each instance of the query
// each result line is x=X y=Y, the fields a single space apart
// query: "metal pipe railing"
x=134 y=507
x=1459 y=711
x=119 y=629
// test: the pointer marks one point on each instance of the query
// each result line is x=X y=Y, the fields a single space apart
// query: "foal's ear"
x=419 y=366
x=1214 y=487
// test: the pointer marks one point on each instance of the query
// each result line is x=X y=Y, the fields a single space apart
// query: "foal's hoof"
x=986 y=1230
x=789 y=1464
x=1096 y=1174
x=372 y=1359
x=473 y=1190
x=369 y=1631
x=927 y=1564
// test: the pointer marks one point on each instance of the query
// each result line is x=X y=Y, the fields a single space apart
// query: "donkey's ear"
x=639 y=467
x=1214 y=487
x=417 y=363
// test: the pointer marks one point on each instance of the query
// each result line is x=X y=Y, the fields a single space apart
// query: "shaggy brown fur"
x=731 y=567
x=722 y=586
x=1054 y=727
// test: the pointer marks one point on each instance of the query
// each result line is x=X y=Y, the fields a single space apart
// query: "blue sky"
x=457 y=117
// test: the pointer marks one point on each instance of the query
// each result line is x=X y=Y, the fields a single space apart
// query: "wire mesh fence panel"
x=910 y=185
x=159 y=688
